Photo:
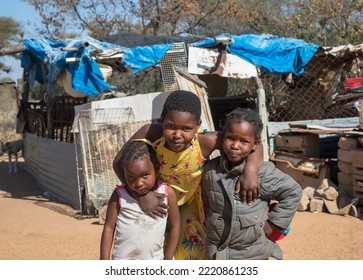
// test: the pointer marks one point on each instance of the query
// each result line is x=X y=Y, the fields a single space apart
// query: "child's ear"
x=121 y=173
x=256 y=144
x=157 y=169
x=199 y=123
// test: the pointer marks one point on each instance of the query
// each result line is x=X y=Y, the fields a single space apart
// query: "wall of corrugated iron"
x=53 y=163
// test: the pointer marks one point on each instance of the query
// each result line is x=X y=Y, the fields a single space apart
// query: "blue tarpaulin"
x=139 y=58
x=86 y=74
x=268 y=52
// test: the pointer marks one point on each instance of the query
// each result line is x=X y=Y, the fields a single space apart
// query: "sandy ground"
x=36 y=227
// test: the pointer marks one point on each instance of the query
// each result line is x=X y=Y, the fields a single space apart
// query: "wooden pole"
x=263 y=114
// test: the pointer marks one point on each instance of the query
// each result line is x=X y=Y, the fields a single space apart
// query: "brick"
x=297 y=140
x=345 y=179
x=316 y=205
x=357 y=156
x=330 y=194
x=344 y=155
x=327 y=183
x=358 y=181
x=348 y=143
x=357 y=188
x=357 y=169
x=309 y=192
x=303 y=203
x=345 y=167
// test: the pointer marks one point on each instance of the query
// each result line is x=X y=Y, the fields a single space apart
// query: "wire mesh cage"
x=321 y=92
x=176 y=56
x=102 y=132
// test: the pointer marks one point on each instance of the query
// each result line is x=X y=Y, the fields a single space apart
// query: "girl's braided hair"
x=136 y=150
x=245 y=115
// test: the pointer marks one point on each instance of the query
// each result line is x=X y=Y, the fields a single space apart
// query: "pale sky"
x=20 y=11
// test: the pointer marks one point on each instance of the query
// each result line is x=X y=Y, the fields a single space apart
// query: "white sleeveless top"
x=137 y=235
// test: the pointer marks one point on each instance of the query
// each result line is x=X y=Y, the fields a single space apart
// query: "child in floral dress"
x=182 y=152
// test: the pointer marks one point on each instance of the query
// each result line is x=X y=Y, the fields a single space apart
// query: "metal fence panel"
x=53 y=163
x=102 y=132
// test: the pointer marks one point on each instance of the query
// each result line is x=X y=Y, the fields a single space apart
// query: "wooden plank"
x=190 y=77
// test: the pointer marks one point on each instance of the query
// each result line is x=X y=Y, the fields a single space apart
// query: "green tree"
x=325 y=22
x=106 y=17
x=8 y=110
x=10 y=34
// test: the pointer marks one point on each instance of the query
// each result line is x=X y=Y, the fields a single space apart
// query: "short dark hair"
x=134 y=150
x=182 y=101
x=245 y=115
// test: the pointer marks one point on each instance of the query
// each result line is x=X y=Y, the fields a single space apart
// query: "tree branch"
x=12 y=50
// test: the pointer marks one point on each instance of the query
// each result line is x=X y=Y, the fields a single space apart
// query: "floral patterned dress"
x=183 y=171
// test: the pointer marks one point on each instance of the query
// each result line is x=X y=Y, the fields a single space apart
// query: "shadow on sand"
x=23 y=185
x=19 y=185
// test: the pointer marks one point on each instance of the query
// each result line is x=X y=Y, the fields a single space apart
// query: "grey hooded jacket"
x=235 y=230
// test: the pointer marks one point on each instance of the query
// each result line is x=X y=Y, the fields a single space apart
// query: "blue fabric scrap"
x=268 y=52
x=139 y=58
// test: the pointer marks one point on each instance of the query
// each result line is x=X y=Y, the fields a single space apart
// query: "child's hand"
x=248 y=187
x=153 y=204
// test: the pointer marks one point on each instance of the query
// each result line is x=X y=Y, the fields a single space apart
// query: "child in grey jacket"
x=236 y=230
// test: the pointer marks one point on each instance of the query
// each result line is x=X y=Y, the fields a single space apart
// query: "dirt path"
x=34 y=227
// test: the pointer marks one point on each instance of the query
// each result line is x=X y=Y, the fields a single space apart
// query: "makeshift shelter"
x=204 y=67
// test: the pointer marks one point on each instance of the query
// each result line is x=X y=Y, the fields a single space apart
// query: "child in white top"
x=134 y=234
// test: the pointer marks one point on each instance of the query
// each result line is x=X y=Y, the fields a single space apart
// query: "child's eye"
x=187 y=129
x=130 y=179
x=146 y=176
x=169 y=126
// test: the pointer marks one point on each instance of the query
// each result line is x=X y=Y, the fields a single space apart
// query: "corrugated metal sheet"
x=53 y=163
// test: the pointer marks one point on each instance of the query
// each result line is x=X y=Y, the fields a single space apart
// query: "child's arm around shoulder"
x=109 y=226
x=248 y=185
x=151 y=132
x=174 y=225
x=210 y=141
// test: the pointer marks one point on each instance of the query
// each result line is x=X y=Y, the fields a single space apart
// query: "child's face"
x=140 y=175
x=238 y=141
x=179 y=129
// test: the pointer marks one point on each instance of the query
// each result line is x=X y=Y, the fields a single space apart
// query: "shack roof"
x=79 y=56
